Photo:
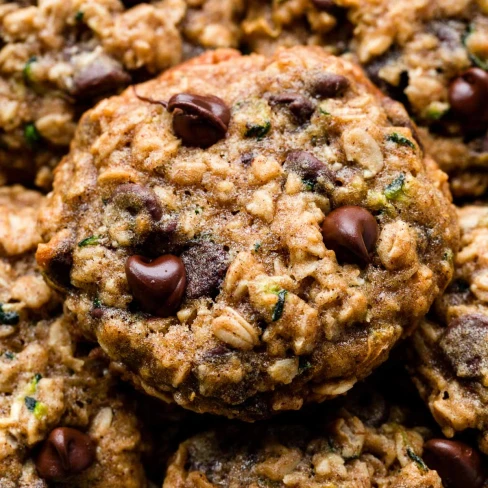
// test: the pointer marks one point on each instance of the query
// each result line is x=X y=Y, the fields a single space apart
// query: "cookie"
x=449 y=356
x=57 y=58
x=343 y=448
x=64 y=421
x=430 y=55
x=246 y=234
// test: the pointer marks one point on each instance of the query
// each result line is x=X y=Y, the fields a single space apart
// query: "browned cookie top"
x=247 y=233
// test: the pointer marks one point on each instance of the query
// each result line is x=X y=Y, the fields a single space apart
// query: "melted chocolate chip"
x=157 y=286
x=64 y=453
x=351 y=232
x=99 y=77
x=458 y=464
x=307 y=166
x=198 y=120
x=136 y=198
x=330 y=85
x=465 y=345
x=301 y=107
x=468 y=95
x=206 y=264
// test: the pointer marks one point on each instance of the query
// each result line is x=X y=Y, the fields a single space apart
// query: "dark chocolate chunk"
x=301 y=107
x=206 y=264
x=99 y=77
x=330 y=85
x=465 y=345
x=307 y=166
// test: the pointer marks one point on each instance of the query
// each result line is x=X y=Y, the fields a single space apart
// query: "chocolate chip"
x=206 y=264
x=157 y=286
x=465 y=345
x=56 y=261
x=308 y=167
x=64 y=453
x=351 y=232
x=136 y=198
x=301 y=107
x=101 y=76
x=458 y=464
x=330 y=85
x=199 y=120
x=468 y=95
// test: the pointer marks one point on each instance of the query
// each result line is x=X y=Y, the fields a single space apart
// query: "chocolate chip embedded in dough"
x=465 y=345
x=468 y=94
x=458 y=464
x=351 y=232
x=330 y=85
x=157 y=286
x=199 y=120
x=64 y=453
x=301 y=107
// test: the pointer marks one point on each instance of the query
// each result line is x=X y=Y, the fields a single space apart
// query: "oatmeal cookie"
x=247 y=233
x=57 y=57
x=368 y=441
x=430 y=55
x=449 y=357
x=63 y=419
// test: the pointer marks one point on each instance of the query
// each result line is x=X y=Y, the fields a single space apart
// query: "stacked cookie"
x=244 y=236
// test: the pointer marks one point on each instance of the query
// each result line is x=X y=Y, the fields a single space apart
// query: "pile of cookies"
x=244 y=243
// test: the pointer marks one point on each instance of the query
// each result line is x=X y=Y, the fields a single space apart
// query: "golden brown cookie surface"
x=248 y=233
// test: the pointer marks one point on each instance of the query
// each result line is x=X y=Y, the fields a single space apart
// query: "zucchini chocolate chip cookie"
x=245 y=234
x=63 y=419
x=449 y=357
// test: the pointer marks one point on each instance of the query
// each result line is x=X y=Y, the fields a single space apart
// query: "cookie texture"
x=247 y=233
x=336 y=447
x=430 y=55
x=57 y=58
x=449 y=356
x=63 y=419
